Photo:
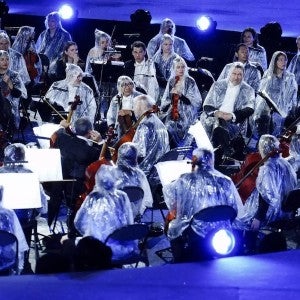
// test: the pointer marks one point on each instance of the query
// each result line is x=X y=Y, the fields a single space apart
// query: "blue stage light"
x=223 y=242
x=66 y=12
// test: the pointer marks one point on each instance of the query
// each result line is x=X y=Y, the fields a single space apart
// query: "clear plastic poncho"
x=214 y=100
x=104 y=210
x=192 y=192
x=152 y=141
x=283 y=91
x=53 y=46
x=294 y=157
x=129 y=174
x=180 y=45
x=258 y=55
x=64 y=91
x=276 y=178
x=189 y=106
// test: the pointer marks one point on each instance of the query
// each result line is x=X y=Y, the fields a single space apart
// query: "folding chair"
x=8 y=262
x=135 y=195
x=131 y=233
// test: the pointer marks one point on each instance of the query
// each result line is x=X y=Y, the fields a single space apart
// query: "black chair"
x=8 y=264
x=135 y=195
x=134 y=232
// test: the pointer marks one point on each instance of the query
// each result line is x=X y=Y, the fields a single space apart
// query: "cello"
x=128 y=136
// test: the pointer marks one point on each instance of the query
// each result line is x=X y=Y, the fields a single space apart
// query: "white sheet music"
x=20 y=190
x=45 y=131
x=171 y=170
x=199 y=133
x=46 y=163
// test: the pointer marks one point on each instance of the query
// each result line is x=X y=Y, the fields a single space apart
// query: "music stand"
x=271 y=104
x=107 y=72
x=20 y=190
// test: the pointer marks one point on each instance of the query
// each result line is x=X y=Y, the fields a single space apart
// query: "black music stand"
x=107 y=72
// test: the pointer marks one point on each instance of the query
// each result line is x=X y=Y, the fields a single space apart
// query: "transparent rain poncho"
x=9 y=222
x=129 y=174
x=192 y=192
x=294 y=158
x=104 y=210
x=64 y=91
x=276 y=178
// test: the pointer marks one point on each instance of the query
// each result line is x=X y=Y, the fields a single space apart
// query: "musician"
x=184 y=198
x=104 y=210
x=180 y=46
x=257 y=53
x=77 y=152
x=181 y=104
x=276 y=178
x=226 y=108
x=151 y=135
x=52 y=40
x=9 y=222
x=142 y=70
x=128 y=173
x=280 y=85
x=57 y=69
x=63 y=92
x=252 y=74
x=16 y=60
x=121 y=106
x=14 y=157
x=11 y=89
x=24 y=43
x=100 y=52
x=294 y=157
x=163 y=61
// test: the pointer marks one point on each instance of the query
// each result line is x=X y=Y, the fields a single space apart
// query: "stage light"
x=66 y=12
x=223 y=242
x=205 y=24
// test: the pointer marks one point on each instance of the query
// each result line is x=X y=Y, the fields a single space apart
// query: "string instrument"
x=128 y=136
x=73 y=107
x=31 y=58
x=175 y=100
x=92 y=169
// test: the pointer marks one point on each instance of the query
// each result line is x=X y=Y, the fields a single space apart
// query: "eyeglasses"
x=124 y=84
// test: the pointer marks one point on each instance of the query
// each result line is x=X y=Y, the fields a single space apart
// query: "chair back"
x=129 y=233
x=134 y=193
x=8 y=239
x=216 y=213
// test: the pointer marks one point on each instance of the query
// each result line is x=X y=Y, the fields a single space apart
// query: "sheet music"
x=171 y=170
x=199 y=133
x=46 y=163
x=20 y=190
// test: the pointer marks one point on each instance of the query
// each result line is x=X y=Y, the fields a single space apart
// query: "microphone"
x=131 y=34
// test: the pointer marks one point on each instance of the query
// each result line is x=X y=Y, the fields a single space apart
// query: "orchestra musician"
x=264 y=204
x=228 y=105
x=151 y=136
x=191 y=192
x=77 y=152
x=62 y=93
x=11 y=89
x=181 y=104
x=119 y=114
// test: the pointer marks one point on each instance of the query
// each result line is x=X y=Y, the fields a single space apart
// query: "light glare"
x=223 y=242
x=66 y=12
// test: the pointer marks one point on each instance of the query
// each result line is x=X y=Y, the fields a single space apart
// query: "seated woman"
x=181 y=103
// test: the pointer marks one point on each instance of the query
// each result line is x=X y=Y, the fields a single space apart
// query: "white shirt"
x=230 y=97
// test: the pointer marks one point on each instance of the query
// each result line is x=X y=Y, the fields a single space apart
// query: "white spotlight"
x=203 y=23
x=223 y=242
x=66 y=12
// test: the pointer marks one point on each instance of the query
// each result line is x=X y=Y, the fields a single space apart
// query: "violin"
x=31 y=58
x=175 y=100
x=128 y=136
